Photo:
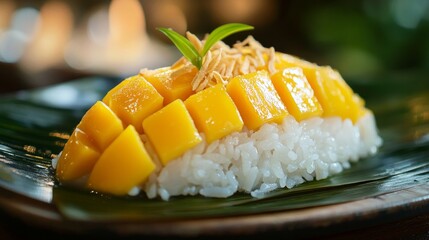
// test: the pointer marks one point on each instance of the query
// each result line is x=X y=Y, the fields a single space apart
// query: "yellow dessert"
x=228 y=94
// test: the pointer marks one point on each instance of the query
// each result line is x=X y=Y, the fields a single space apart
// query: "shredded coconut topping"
x=222 y=62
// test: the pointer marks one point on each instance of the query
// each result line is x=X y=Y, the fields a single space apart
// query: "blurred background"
x=47 y=42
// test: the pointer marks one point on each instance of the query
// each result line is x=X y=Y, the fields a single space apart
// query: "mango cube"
x=256 y=99
x=353 y=102
x=77 y=158
x=362 y=110
x=122 y=166
x=133 y=100
x=296 y=93
x=108 y=96
x=171 y=84
x=214 y=112
x=101 y=124
x=333 y=93
x=327 y=92
x=288 y=61
x=171 y=131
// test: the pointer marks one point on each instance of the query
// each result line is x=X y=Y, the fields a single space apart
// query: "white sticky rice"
x=275 y=156
x=257 y=162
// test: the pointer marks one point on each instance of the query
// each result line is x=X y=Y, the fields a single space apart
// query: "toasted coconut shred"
x=223 y=62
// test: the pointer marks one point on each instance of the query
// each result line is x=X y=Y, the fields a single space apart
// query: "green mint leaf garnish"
x=184 y=45
x=188 y=50
x=223 y=32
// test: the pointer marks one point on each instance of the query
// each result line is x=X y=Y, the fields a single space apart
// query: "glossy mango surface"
x=101 y=124
x=171 y=84
x=256 y=99
x=122 y=166
x=214 y=113
x=296 y=93
x=171 y=131
x=77 y=158
x=354 y=105
x=133 y=100
x=288 y=61
x=327 y=92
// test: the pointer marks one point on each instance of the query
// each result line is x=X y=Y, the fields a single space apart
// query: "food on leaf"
x=221 y=120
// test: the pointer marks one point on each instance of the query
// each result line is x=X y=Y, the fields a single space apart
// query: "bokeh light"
x=48 y=41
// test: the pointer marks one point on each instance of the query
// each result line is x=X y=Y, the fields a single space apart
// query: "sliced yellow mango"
x=171 y=131
x=358 y=100
x=288 y=61
x=101 y=124
x=362 y=110
x=108 y=96
x=354 y=103
x=335 y=95
x=170 y=83
x=214 y=112
x=296 y=93
x=327 y=92
x=256 y=99
x=133 y=100
x=77 y=158
x=122 y=166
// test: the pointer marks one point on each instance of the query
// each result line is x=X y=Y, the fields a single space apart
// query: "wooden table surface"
x=413 y=228
x=398 y=215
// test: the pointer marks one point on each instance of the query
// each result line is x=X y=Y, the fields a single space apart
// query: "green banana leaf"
x=34 y=126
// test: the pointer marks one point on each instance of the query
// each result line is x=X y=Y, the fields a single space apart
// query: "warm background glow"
x=54 y=28
x=6 y=11
x=47 y=41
